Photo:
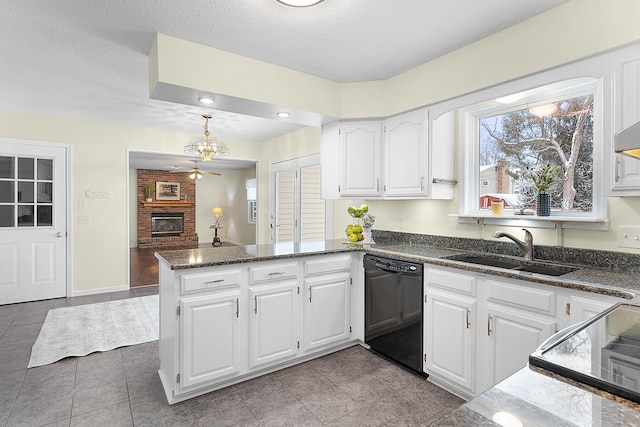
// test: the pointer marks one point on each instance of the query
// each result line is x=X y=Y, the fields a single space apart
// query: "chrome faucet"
x=526 y=246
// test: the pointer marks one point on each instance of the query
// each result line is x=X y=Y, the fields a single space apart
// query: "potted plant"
x=149 y=189
x=543 y=180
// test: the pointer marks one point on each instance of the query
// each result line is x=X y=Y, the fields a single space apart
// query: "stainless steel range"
x=603 y=352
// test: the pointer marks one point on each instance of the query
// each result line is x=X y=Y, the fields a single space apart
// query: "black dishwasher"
x=393 y=309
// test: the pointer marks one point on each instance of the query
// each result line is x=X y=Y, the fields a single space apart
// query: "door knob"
x=59 y=234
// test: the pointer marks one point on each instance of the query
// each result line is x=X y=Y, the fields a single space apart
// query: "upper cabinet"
x=404 y=157
x=626 y=111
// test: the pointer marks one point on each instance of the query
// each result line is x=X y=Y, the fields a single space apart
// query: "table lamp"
x=218 y=213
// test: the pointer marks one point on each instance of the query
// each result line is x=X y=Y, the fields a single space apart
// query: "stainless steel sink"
x=531 y=267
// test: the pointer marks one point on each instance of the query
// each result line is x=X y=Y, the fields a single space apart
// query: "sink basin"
x=524 y=267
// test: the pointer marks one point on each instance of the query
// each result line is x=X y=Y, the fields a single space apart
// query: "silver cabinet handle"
x=489 y=325
x=468 y=318
x=276 y=273
x=255 y=304
x=213 y=281
x=237 y=307
x=309 y=294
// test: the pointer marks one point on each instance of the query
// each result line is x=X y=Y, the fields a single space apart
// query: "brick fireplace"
x=168 y=211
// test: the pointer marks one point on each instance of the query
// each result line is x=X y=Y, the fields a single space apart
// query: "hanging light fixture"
x=300 y=3
x=207 y=147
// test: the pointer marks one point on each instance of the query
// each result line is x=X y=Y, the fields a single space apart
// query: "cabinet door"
x=449 y=337
x=209 y=337
x=274 y=322
x=360 y=152
x=626 y=112
x=405 y=155
x=326 y=310
x=513 y=336
x=585 y=308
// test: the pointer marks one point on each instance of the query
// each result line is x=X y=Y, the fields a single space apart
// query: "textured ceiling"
x=88 y=60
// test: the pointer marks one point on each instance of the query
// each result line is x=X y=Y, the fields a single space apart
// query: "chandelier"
x=207 y=147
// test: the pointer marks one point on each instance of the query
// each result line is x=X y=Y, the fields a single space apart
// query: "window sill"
x=509 y=219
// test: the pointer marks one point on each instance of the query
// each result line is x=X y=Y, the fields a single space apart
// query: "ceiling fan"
x=195 y=171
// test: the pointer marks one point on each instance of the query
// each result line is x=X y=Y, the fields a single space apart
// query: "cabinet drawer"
x=213 y=280
x=523 y=296
x=327 y=264
x=273 y=272
x=450 y=280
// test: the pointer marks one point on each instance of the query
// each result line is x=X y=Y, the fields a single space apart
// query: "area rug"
x=84 y=329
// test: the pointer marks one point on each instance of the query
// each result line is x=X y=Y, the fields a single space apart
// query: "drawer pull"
x=489 y=325
x=213 y=281
x=276 y=273
x=468 y=318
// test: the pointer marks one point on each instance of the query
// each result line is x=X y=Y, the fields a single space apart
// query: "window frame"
x=543 y=93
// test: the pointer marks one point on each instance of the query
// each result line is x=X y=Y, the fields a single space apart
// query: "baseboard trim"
x=85 y=292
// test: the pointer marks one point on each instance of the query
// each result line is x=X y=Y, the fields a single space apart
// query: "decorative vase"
x=149 y=199
x=543 y=204
x=368 y=238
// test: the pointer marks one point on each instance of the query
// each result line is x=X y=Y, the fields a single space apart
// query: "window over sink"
x=508 y=140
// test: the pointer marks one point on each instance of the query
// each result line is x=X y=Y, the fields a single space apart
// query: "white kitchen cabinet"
x=326 y=310
x=360 y=159
x=626 y=109
x=209 y=352
x=449 y=337
x=275 y=320
x=512 y=336
x=403 y=157
x=406 y=152
x=582 y=307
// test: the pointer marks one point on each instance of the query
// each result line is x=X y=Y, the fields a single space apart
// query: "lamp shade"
x=217 y=211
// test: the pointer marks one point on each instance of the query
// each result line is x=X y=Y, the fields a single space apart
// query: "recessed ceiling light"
x=206 y=99
x=300 y=3
x=283 y=114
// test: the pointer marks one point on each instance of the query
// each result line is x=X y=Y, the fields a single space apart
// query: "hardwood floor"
x=144 y=264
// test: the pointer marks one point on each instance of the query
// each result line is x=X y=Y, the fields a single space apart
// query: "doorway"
x=33 y=221
x=297 y=212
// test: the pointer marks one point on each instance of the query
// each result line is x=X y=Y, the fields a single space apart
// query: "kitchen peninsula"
x=274 y=306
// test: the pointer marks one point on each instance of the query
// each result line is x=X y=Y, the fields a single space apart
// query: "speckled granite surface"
x=537 y=398
x=609 y=273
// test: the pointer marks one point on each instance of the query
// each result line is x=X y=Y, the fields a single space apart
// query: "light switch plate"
x=629 y=236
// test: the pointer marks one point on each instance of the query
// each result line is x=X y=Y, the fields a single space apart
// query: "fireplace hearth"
x=167 y=224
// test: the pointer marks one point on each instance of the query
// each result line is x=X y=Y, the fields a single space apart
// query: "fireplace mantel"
x=146 y=204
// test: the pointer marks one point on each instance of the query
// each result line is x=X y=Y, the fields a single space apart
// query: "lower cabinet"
x=208 y=353
x=275 y=320
x=479 y=329
x=449 y=337
x=326 y=310
x=512 y=336
x=222 y=325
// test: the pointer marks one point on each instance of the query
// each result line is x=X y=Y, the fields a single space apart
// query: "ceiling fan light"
x=300 y=3
x=192 y=175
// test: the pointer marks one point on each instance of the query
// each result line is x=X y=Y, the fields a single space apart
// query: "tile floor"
x=353 y=387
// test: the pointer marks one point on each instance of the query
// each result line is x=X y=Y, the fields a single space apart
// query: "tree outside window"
x=515 y=143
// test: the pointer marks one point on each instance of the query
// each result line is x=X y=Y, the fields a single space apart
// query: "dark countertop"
x=533 y=397
x=618 y=283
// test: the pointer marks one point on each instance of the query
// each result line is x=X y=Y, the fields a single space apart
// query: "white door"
x=298 y=213
x=274 y=322
x=513 y=337
x=326 y=311
x=33 y=227
x=449 y=337
x=209 y=352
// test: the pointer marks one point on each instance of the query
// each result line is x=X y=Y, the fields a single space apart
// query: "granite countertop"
x=620 y=282
x=534 y=397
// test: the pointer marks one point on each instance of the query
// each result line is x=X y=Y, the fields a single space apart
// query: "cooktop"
x=603 y=352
